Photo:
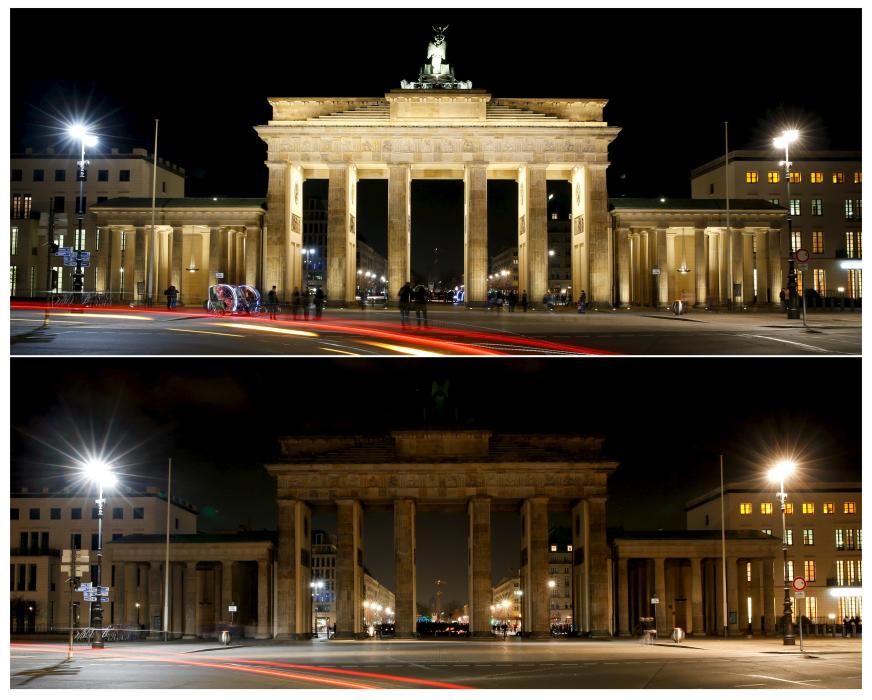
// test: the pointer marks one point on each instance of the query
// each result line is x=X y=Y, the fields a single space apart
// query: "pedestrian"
x=582 y=300
x=171 y=294
x=272 y=302
x=296 y=303
x=783 y=296
x=419 y=296
x=499 y=300
x=305 y=300
x=524 y=300
x=319 y=302
x=405 y=296
x=513 y=299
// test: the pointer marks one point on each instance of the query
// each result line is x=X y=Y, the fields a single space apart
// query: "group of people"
x=172 y=295
x=851 y=626
x=300 y=303
x=498 y=299
x=416 y=297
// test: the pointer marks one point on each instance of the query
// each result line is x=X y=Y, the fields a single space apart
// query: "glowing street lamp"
x=777 y=473
x=100 y=473
x=786 y=138
x=80 y=133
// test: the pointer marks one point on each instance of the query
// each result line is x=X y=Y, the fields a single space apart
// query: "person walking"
x=419 y=296
x=296 y=303
x=513 y=299
x=782 y=295
x=582 y=300
x=524 y=303
x=171 y=294
x=272 y=303
x=305 y=300
x=405 y=296
x=319 y=302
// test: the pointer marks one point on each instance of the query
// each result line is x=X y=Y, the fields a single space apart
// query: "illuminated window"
x=808 y=508
x=795 y=177
x=849 y=209
x=16 y=206
x=788 y=536
x=820 y=286
x=59 y=273
x=765 y=509
x=795 y=208
x=569 y=548
x=817 y=242
x=817 y=207
x=850 y=607
x=80 y=239
x=97 y=241
x=849 y=507
x=799 y=284
x=808 y=570
x=13 y=280
x=745 y=509
x=808 y=537
x=811 y=607
x=767 y=531
x=838 y=178
x=773 y=177
x=850 y=543
x=849 y=244
x=774 y=202
x=123 y=241
x=795 y=240
x=858 y=178
x=828 y=509
x=750 y=176
x=788 y=509
x=553 y=547
x=790 y=570
x=855 y=284
x=816 y=177
x=748 y=571
x=13 y=240
x=840 y=538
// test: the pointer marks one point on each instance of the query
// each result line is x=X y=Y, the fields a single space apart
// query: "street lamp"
x=787 y=137
x=79 y=132
x=137 y=614
x=101 y=474
x=777 y=473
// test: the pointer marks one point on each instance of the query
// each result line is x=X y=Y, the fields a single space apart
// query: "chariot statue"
x=436 y=74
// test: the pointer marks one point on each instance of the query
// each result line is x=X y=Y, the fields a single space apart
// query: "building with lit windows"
x=560 y=574
x=504 y=270
x=44 y=523
x=46 y=182
x=824 y=535
x=507 y=604
x=323 y=581
x=379 y=602
x=826 y=207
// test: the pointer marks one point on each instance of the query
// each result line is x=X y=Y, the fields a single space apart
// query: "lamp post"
x=777 y=473
x=80 y=134
x=137 y=614
x=787 y=137
x=101 y=474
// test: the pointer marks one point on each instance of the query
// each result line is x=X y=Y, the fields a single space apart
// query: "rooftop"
x=673 y=204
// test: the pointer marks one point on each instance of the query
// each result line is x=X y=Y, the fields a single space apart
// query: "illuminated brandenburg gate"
x=414 y=134
x=476 y=472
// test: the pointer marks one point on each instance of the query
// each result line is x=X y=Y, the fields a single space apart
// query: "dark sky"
x=219 y=419
x=672 y=77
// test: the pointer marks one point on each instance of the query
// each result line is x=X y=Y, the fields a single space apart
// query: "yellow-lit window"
x=816 y=177
x=838 y=178
x=808 y=536
x=569 y=548
x=747 y=571
x=855 y=284
x=820 y=286
x=849 y=508
x=808 y=569
x=817 y=242
x=773 y=177
x=795 y=240
x=828 y=509
x=745 y=509
x=751 y=176
x=553 y=547
x=795 y=177
x=765 y=509
x=788 y=537
x=788 y=509
x=790 y=570
x=811 y=607
x=808 y=508
x=799 y=285
x=858 y=178
x=849 y=244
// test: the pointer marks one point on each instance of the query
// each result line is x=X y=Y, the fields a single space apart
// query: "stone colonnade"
x=204 y=580
x=440 y=470
x=686 y=578
x=468 y=137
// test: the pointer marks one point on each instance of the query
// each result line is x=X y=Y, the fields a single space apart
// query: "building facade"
x=43 y=524
x=506 y=606
x=824 y=538
x=46 y=182
x=826 y=208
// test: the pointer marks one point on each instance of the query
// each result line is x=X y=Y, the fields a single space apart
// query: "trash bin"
x=224 y=637
x=677 y=635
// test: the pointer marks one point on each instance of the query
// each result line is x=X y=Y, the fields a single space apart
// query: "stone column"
x=696 y=616
x=660 y=621
x=349 y=569
x=733 y=594
x=581 y=199
x=597 y=238
x=399 y=225
x=277 y=225
x=777 y=252
x=216 y=255
x=177 y=602
x=177 y=264
x=523 y=218
x=646 y=280
x=672 y=263
x=479 y=566
x=597 y=555
x=139 y=262
x=293 y=258
x=534 y=566
x=155 y=600
x=756 y=594
x=623 y=599
x=625 y=269
x=537 y=236
x=748 y=268
x=263 y=597
x=131 y=594
x=192 y=601
x=662 y=281
x=341 y=236
x=226 y=589
x=700 y=262
x=230 y=251
x=769 y=594
x=293 y=570
x=764 y=294
x=475 y=233
x=404 y=567
x=737 y=263
x=726 y=254
x=580 y=580
x=252 y=256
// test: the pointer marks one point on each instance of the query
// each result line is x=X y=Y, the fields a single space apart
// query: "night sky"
x=672 y=77
x=219 y=419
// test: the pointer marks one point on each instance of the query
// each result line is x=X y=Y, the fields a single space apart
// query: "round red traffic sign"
x=802 y=255
x=799 y=583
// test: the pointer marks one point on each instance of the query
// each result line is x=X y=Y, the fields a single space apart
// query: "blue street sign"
x=70 y=262
x=85 y=254
x=104 y=590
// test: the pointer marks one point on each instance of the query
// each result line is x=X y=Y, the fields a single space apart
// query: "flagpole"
x=166 y=614
x=150 y=291
x=724 y=551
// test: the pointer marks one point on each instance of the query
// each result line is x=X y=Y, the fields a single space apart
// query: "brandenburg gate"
x=425 y=470
x=438 y=128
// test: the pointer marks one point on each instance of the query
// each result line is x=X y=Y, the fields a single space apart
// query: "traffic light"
x=54 y=279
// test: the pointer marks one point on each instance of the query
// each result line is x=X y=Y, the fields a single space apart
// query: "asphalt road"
x=125 y=331
x=512 y=663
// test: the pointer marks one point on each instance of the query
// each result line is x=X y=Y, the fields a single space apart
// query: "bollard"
x=224 y=637
x=677 y=635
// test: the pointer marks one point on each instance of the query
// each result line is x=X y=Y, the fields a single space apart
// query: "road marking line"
x=268 y=329
x=54 y=320
x=342 y=352
x=751 y=685
x=784 y=680
x=793 y=342
x=188 y=330
x=402 y=349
